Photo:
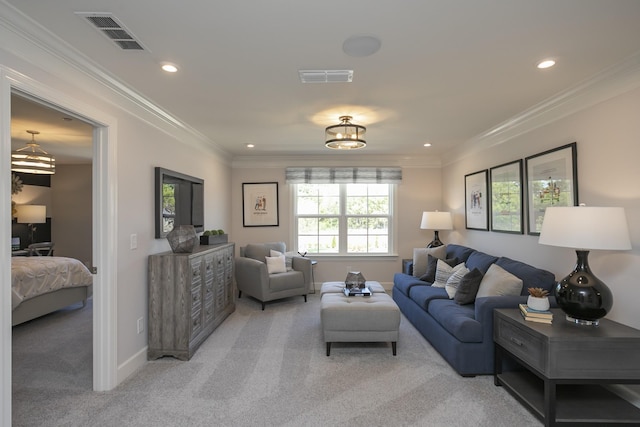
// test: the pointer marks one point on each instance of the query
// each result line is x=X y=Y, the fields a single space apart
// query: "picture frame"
x=507 y=198
x=552 y=180
x=260 y=204
x=475 y=200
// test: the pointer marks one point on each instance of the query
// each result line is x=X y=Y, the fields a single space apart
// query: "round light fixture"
x=361 y=46
x=169 y=68
x=345 y=136
x=547 y=63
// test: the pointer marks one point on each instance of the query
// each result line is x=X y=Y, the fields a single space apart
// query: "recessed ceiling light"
x=250 y=146
x=361 y=46
x=426 y=144
x=169 y=68
x=547 y=63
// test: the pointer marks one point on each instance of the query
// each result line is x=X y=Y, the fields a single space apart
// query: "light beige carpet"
x=259 y=368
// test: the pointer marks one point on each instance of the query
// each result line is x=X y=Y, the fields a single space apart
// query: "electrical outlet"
x=134 y=241
x=140 y=325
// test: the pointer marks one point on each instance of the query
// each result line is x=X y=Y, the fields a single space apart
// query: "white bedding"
x=33 y=276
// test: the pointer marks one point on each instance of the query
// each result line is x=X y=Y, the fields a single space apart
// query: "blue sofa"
x=463 y=334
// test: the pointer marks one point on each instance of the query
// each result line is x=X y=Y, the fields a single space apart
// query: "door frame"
x=104 y=220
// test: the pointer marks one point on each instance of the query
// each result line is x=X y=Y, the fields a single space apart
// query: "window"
x=344 y=219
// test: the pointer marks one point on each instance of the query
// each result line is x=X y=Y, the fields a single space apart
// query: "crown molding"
x=31 y=42
x=612 y=81
x=276 y=162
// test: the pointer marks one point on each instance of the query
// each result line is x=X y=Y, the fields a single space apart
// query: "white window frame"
x=342 y=233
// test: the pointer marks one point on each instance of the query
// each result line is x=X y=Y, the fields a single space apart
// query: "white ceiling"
x=447 y=70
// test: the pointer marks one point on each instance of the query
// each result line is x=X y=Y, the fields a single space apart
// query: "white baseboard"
x=132 y=364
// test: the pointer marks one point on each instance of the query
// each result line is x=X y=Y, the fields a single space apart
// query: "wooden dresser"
x=189 y=296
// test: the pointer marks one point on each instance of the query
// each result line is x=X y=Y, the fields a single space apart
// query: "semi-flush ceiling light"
x=345 y=136
x=32 y=158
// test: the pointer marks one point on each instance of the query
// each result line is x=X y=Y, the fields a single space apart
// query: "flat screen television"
x=179 y=201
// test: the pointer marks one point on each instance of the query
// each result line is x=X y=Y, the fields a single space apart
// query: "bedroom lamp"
x=581 y=295
x=31 y=214
x=436 y=221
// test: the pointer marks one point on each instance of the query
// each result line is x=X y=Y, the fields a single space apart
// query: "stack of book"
x=365 y=292
x=535 y=315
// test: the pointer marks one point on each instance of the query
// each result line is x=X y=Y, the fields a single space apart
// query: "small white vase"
x=537 y=303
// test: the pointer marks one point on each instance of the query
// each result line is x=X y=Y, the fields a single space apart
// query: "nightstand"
x=564 y=366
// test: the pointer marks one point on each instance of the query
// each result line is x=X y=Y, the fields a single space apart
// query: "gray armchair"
x=253 y=279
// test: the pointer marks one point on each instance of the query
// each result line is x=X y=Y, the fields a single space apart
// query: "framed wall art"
x=552 y=180
x=260 y=204
x=507 y=198
x=475 y=201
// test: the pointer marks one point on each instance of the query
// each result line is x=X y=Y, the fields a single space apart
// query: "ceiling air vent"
x=110 y=27
x=326 y=76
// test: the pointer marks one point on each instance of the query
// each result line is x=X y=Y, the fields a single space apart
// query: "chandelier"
x=32 y=158
x=345 y=136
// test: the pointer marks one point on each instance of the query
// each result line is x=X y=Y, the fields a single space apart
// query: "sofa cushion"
x=481 y=261
x=459 y=251
x=420 y=258
x=432 y=264
x=423 y=295
x=443 y=272
x=499 y=282
x=532 y=277
x=456 y=319
x=454 y=281
x=404 y=282
x=468 y=287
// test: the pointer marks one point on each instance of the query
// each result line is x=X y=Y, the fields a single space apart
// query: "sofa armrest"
x=303 y=264
x=251 y=276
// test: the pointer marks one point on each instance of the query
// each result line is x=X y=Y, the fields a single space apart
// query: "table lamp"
x=581 y=295
x=31 y=214
x=436 y=221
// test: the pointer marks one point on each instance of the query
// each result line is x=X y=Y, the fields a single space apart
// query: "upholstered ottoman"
x=359 y=319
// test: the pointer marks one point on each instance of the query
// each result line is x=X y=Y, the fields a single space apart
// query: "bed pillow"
x=468 y=287
x=420 y=258
x=276 y=264
x=432 y=263
x=498 y=282
x=453 y=282
x=443 y=272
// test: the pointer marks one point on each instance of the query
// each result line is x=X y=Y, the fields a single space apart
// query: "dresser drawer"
x=520 y=343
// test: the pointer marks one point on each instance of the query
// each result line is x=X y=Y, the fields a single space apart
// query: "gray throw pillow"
x=498 y=282
x=443 y=272
x=468 y=287
x=432 y=264
x=420 y=258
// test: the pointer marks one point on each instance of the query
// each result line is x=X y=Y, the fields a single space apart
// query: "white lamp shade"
x=436 y=221
x=586 y=228
x=32 y=214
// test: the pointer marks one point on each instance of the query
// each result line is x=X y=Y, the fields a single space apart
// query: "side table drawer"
x=520 y=343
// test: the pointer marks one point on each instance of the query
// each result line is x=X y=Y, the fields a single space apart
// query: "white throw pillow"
x=288 y=258
x=276 y=264
x=443 y=272
x=497 y=282
x=420 y=260
x=454 y=280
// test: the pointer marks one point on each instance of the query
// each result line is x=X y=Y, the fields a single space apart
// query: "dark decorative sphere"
x=582 y=295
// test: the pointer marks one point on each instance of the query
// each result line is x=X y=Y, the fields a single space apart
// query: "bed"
x=41 y=285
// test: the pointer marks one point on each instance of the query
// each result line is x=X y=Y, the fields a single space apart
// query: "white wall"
x=420 y=190
x=607 y=136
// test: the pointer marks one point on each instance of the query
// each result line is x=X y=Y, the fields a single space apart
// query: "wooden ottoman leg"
x=328 y=348
x=393 y=347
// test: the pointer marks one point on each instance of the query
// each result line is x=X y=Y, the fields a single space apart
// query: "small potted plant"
x=538 y=299
x=213 y=237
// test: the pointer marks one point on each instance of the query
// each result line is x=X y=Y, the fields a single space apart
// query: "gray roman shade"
x=365 y=175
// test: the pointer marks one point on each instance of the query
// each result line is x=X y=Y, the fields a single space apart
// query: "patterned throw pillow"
x=432 y=264
x=453 y=282
x=443 y=272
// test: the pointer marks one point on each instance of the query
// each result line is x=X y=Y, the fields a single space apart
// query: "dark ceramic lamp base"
x=435 y=242
x=582 y=296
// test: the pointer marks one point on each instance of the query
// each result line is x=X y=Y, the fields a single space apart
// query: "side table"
x=565 y=367
x=313 y=279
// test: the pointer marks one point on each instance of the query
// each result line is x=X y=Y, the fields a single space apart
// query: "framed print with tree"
x=506 y=198
x=475 y=201
x=552 y=180
x=260 y=204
